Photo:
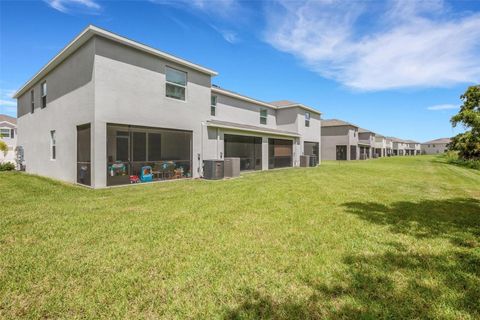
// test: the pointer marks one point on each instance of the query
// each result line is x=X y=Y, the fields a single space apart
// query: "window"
x=53 y=145
x=139 y=146
x=32 y=102
x=213 y=105
x=176 y=83
x=4 y=133
x=263 y=116
x=44 y=94
x=12 y=133
x=433 y=145
x=307 y=119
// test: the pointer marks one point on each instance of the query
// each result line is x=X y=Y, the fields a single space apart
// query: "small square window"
x=213 y=106
x=263 y=116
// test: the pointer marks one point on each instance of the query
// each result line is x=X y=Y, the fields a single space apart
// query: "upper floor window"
x=307 y=119
x=176 y=83
x=213 y=105
x=263 y=116
x=44 y=94
x=53 y=145
x=5 y=133
x=32 y=101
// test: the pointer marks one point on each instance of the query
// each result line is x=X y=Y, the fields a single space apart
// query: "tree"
x=468 y=144
x=3 y=148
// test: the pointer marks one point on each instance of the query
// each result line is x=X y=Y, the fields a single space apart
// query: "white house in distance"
x=435 y=146
x=8 y=134
x=106 y=107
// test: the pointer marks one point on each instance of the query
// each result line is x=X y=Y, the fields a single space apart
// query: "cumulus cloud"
x=68 y=6
x=442 y=107
x=378 y=46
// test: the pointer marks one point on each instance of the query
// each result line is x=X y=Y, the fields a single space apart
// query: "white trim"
x=13 y=124
x=87 y=34
x=252 y=130
x=299 y=105
x=244 y=98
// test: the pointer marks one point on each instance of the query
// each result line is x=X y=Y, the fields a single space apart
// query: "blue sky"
x=394 y=67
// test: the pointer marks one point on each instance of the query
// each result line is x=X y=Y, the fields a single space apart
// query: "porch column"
x=99 y=154
x=264 y=153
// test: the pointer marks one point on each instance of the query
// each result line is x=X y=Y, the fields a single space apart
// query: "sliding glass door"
x=280 y=153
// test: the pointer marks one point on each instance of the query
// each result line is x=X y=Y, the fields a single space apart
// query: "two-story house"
x=106 y=108
x=8 y=134
x=435 y=146
x=366 y=143
x=339 y=140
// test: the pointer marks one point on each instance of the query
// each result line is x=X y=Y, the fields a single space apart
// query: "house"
x=340 y=140
x=412 y=148
x=399 y=146
x=107 y=108
x=8 y=134
x=383 y=146
x=366 y=143
x=435 y=146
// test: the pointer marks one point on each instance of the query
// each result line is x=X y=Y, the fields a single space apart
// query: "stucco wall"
x=130 y=89
x=430 y=149
x=70 y=99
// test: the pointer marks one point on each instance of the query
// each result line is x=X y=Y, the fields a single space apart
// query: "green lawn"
x=385 y=238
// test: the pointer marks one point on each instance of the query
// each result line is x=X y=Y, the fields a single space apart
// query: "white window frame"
x=43 y=94
x=176 y=84
x=307 y=119
x=2 y=136
x=264 y=117
x=32 y=101
x=53 y=145
x=213 y=105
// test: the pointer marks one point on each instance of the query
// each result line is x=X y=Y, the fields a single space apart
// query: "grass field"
x=385 y=238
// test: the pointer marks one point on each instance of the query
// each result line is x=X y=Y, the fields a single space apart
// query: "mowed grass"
x=385 y=238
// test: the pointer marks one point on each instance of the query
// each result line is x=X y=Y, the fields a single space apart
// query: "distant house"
x=366 y=143
x=8 y=134
x=399 y=146
x=435 y=146
x=339 y=140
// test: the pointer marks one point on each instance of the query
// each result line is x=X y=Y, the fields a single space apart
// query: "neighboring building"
x=366 y=143
x=8 y=134
x=399 y=146
x=339 y=140
x=412 y=148
x=382 y=146
x=114 y=106
x=435 y=146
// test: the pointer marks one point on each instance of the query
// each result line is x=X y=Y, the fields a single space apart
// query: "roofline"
x=241 y=97
x=87 y=34
x=13 y=124
x=299 y=105
x=341 y=125
x=215 y=125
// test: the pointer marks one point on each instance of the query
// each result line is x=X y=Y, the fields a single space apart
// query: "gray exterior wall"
x=338 y=135
x=434 y=148
x=70 y=102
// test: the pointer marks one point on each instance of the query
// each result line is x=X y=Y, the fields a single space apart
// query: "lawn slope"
x=385 y=238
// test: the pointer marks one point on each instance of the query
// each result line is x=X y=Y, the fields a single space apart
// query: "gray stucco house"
x=435 y=146
x=106 y=108
x=339 y=140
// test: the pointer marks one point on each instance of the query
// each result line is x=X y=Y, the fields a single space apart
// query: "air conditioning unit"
x=231 y=167
x=213 y=169
x=304 y=161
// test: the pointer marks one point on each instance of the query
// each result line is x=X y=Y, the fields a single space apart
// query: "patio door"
x=84 y=154
x=280 y=153
x=341 y=152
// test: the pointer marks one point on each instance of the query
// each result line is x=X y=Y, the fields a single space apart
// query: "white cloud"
x=222 y=8
x=443 y=107
x=67 y=6
x=8 y=103
x=367 y=46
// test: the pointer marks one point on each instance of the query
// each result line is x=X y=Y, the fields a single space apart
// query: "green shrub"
x=7 y=166
x=453 y=158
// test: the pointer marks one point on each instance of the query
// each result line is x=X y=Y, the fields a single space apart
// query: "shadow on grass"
x=400 y=281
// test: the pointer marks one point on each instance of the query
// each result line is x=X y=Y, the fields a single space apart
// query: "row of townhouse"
x=341 y=140
x=106 y=108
